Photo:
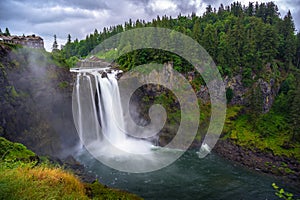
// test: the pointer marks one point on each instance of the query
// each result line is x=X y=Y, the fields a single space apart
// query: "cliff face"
x=267 y=90
x=35 y=101
x=265 y=86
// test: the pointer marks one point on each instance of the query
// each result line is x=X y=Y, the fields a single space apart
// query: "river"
x=191 y=178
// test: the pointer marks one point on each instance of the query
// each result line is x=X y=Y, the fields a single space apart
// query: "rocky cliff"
x=35 y=101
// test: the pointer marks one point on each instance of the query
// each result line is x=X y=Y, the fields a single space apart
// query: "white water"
x=102 y=126
x=99 y=120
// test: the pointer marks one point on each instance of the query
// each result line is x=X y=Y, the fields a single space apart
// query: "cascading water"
x=100 y=121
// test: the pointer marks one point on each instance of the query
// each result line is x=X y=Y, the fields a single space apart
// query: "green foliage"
x=281 y=193
x=10 y=151
x=251 y=40
x=108 y=55
x=72 y=61
x=295 y=110
x=269 y=132
x=6 y=33
x=98 y=191
x=22 y=178
x=59 y=59
x=247 y=77
x=39 y=183
x=270 y=124
x=13 y=91
x=63 y=84
x=237 y=37
x=229 y=94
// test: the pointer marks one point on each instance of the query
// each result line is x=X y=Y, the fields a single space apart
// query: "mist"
x=43 y=104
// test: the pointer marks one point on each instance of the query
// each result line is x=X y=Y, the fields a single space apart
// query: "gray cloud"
x=86 y=4
x=36 y=15
x=80 y=18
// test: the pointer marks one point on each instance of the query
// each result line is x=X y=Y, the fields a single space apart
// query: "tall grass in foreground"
x=40 y=183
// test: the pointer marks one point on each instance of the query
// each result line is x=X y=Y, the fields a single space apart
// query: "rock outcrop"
x=35 y=101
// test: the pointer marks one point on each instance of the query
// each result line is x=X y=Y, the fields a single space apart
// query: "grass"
x=110 y=55
x=9 y=152
x=246 y=132
x=40 y=183
x=21 y=178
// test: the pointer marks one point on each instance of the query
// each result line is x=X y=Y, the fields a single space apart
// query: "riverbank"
x=265 y=162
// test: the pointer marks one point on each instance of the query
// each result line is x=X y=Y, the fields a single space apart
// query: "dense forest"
x=234 y=36
x=249 y=40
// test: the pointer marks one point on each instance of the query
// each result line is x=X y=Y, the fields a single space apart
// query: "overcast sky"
x=81 y=17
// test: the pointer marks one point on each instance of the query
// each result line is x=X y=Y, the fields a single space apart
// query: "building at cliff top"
x=31 y=41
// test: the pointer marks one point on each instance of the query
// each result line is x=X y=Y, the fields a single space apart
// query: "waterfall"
x=99 y=117
x=99 y=120
x=112 y=120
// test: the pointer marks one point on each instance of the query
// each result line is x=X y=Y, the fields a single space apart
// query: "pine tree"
x=288 y=45
x=197 y=31
x=297 y=58
x=208 y=10
x=256 y=102
x=69 y=39
x=236 y=43
x=55 y=45
x=295 y=111
x=1 y=32
x=250 y=9
x=210 y=40
x=271 y=13
x=269 y=43
x=236 y=9
x=6 y=33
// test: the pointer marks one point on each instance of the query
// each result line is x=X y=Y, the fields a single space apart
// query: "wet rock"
x=283 y=167
x=104 y=75
x=71 y=163
x=119 y=75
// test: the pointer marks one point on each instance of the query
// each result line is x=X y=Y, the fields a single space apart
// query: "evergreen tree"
x=208 y=10
x=236 y=43
x=210 y=40
x=250 y=9
x=221 y=9
x=69 y=39
x=223 y=57
x=197 y=31
x=268 y=43
x=1 y=33
x=55 y=45
x=256 y=102
x=295 y=111
x=6 y=33
x=297 y=57
x=236 y=9
x=288 y=45
x=271 y=13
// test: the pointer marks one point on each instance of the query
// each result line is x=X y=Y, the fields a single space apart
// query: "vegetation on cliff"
x=23 y=175
x=35 y=99
x=250 y=44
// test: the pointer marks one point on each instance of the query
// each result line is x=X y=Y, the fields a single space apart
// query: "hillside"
x=35 y=100
x=23 y=175
x=257 y=53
